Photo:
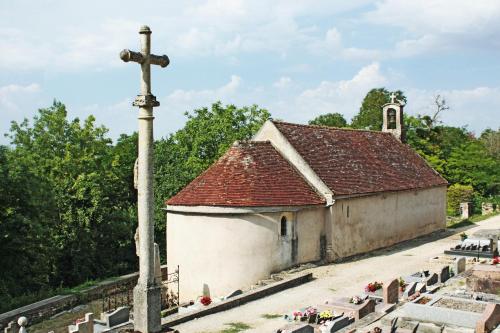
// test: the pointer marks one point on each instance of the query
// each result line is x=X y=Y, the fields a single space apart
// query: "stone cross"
x=393 y=97
x=147 y=291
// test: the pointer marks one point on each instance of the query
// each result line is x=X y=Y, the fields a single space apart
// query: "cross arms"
x=127 y=55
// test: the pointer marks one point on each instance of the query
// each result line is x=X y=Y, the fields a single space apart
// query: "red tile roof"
x=250 y=174
x=358 y=161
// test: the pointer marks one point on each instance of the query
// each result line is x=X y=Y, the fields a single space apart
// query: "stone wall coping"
x=233 y=302
x=60 y=302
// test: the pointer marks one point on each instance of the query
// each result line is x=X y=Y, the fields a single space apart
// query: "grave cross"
x=147 y=297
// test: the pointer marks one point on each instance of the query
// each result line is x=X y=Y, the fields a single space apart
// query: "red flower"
x=205 y=300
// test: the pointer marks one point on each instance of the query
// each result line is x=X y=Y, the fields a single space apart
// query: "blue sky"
x=298 y=59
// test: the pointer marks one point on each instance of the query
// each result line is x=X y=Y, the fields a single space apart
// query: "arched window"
x=283 y=226
x=391 y=119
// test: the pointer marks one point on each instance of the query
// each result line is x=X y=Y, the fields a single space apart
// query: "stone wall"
x=44 y=309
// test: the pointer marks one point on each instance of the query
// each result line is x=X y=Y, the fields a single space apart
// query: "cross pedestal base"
x=147 y=308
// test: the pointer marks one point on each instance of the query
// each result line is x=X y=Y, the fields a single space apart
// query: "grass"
x=236 y=327
x=271 y=316
x=60 y=323
x=463 y=223
x=470 y=221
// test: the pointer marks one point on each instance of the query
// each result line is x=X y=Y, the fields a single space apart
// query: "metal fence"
x=170 y=290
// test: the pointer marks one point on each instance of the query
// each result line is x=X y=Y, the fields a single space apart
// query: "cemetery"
x=238 y=221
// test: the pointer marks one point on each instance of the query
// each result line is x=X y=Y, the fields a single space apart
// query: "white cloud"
x=342 y=96
x=191 y=98
x=331 y=45
x=437 y=25
x=476 y=107
x=283 y=82
x=12 y=94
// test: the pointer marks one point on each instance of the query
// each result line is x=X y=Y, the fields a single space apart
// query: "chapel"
x=296 y=194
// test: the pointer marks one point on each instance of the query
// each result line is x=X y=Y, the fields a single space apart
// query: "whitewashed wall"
x=382 y=220
x=233 y=251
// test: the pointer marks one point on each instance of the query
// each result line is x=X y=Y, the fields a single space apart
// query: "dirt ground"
x=338 y=280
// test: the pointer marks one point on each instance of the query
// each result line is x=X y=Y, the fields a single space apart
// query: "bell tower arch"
x=393 y=118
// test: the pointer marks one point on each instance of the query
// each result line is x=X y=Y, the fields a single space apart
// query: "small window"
x=283 y=226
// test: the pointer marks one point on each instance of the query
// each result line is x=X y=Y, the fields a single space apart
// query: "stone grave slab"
x=336 y=325
x=298 y=328
x=358 y=311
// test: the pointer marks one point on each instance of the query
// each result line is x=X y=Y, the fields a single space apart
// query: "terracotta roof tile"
x=358 y=161
x=250 y=174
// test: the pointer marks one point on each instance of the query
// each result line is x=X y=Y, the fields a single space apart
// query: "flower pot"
x=312 y=319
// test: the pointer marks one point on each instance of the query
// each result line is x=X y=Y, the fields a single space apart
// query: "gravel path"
x=335 y=280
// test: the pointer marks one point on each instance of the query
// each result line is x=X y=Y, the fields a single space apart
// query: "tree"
x=25 y=259
x=370 y=114
x=86 y=194
x=207 y=135
x=491 y=140
x=456 y=194
x=329 y=119
x=470 y=164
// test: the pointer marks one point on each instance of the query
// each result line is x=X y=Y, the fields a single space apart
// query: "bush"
x=458 y=193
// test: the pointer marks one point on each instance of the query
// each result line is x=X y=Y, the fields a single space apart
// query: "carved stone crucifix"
x=147 y=297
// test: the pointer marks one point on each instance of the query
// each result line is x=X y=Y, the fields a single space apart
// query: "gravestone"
x=490 y=318
x=459 y=265
x=86 y=326
x=12 y=327
x=444 y=275
x=433 y=279
x=117 y=317
x=410 y=289
x=390 y=292
x=234 y=293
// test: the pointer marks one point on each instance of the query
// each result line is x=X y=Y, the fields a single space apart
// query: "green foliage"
x=329 y=119
x=208 y=133
x=470 y=164
x=370 y=113
x=271 y=316
x=75 y=220
x=236 y=327
x=456 y=194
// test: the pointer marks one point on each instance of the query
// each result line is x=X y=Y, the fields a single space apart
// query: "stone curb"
x=233 y=302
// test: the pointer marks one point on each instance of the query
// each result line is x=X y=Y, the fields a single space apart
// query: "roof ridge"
x=330 y=127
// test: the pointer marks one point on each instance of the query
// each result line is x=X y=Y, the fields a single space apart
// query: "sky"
x=298 y=59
